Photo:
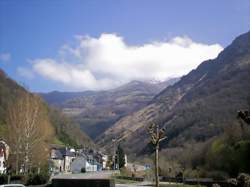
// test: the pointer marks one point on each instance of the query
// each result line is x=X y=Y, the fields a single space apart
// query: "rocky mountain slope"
x=96 y=111
x=195 y=108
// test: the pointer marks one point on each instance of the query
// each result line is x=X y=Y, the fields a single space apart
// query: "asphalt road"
x=88 y=175
x=143 y=184
x=99 y=175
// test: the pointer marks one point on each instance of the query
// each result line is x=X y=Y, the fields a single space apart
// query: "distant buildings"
x=4 y=154
x=65 y=160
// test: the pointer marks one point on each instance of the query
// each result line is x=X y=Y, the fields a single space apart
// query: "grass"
x=124 y=181
x=179 y=185
x=57 y=142
x=127 y=181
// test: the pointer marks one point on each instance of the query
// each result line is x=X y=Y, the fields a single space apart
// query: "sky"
x=77 y=45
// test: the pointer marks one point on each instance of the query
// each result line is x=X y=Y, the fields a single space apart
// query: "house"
x=61 y=159
x=76 y=161
x=68 y=155
x=87 y=161
x=4 y=154
x=83 y=164
x=56 y=161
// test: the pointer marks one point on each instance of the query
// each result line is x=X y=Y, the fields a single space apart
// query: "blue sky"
x=38 y=38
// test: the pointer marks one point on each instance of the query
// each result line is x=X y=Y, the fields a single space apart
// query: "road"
x=142 y=184
x=88 y=175
x=99 y=175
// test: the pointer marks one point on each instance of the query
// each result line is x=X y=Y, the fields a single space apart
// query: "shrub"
x=18 y=179
x=36 y=179
x=3 y=179
x=83 y=170
x=243 y=180
x=218 y=175
x=125 y=172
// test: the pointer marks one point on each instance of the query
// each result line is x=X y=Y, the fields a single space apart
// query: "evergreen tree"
x=120 y=156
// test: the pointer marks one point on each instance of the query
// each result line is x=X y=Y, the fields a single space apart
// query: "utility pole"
x=114 y=163
x=157 y=135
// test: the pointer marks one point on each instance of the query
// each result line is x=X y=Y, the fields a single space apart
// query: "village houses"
x=65 y=160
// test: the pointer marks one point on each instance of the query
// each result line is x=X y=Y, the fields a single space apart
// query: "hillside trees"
x=28 y=132
x=221 y=157
x=231 y=151
x=121 y=156
x=67 y=131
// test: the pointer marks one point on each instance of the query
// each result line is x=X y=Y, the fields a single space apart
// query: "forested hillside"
x=9 y=90
x=67 y=132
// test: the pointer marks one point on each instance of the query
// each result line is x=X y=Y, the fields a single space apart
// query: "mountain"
x=194 y=109
x=96 y=111
x=56 y=98
x=66 y=132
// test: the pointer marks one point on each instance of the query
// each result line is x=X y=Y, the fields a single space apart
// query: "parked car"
x=12 y=185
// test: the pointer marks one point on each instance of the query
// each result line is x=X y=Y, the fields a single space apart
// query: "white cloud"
x=107 y=61
x=5 y=57
x=24 y=72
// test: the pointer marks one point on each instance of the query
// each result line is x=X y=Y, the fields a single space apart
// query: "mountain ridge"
x=98 y=110
x=191 y=109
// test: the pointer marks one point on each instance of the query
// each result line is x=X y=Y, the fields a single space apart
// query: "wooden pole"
x=157 y=166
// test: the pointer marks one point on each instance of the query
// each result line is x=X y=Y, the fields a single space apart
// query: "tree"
x=120 y=156
x=157 y=135
x=29 y=132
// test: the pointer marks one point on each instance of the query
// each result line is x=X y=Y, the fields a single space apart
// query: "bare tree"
x=157 y=135
x=29 y=131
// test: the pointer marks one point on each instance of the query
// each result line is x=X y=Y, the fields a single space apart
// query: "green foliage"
x=219 y=158
x=37 y=179
x=67 y=131
x=232 y=158
x=3 y=179
x=3 y=129
x=66 y=139
x=121 y=156
x=58 y=142
x=222 y=157
x=9 y=91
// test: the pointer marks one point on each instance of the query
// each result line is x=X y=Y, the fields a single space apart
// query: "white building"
x=83 y=164
x=4 y=154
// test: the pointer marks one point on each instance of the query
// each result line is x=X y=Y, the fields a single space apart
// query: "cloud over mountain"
x=107 y=61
